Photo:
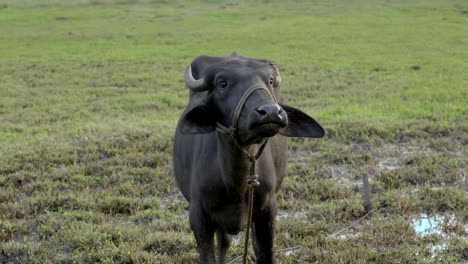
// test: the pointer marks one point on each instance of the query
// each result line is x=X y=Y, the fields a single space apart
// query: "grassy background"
x=91 y=90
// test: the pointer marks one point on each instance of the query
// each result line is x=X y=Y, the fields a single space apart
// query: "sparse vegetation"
x=91 y=90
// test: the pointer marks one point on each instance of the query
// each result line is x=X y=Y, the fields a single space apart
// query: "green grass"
x=91 y=90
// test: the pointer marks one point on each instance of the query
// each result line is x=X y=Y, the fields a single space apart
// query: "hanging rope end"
x=252 y=180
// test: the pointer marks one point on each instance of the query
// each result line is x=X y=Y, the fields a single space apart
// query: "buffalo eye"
x=272 y=81
x=222 y=83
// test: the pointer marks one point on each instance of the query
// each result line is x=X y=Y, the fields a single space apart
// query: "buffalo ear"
x=300 y=124
x=201 y=119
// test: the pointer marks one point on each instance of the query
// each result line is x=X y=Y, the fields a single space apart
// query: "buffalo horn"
x=195 y=85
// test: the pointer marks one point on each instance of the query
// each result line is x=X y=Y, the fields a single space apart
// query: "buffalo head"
x=240 y=93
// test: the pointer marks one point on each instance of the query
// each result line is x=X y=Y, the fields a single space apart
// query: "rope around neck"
x=252 y=178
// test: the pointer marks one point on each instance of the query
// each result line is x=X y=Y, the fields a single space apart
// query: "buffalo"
x=233 y=120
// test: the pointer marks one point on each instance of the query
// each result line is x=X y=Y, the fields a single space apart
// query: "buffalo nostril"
x=261 y=112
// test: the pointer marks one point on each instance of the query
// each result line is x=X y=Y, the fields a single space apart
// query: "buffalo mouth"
x=268 y=129
x=259 y=132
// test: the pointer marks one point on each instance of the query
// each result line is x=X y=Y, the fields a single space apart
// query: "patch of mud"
x=393 y=155
x=174 y=199
x=338 y=171
x=389 y=163
x=288 y=214
x=301 y=155
x=343 y=175
x=346 y=236
x=361 y=147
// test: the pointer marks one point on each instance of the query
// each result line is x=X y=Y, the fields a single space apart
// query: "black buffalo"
x=214 y=134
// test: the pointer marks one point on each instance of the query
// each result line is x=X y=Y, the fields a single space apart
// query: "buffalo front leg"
x=224 y=241
x=203 y=229
x=263 y=235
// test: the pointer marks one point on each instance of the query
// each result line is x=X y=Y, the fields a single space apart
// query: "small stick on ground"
x=235 y=259
x=287 y=249
x=367 y=192
x=353 y=224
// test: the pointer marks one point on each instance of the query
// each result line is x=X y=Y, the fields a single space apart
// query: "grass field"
x=91 y=90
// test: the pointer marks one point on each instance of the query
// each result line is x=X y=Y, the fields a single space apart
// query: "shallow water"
x=428 y=225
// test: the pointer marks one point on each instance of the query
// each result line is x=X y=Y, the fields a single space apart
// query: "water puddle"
x=428 y=225
x=425 y=225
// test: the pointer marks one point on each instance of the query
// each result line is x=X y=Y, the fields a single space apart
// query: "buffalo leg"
x=203 y=230
x=263 y=235
x=224 y=241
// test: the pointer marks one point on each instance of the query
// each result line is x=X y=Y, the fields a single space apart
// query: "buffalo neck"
x=233 y=163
